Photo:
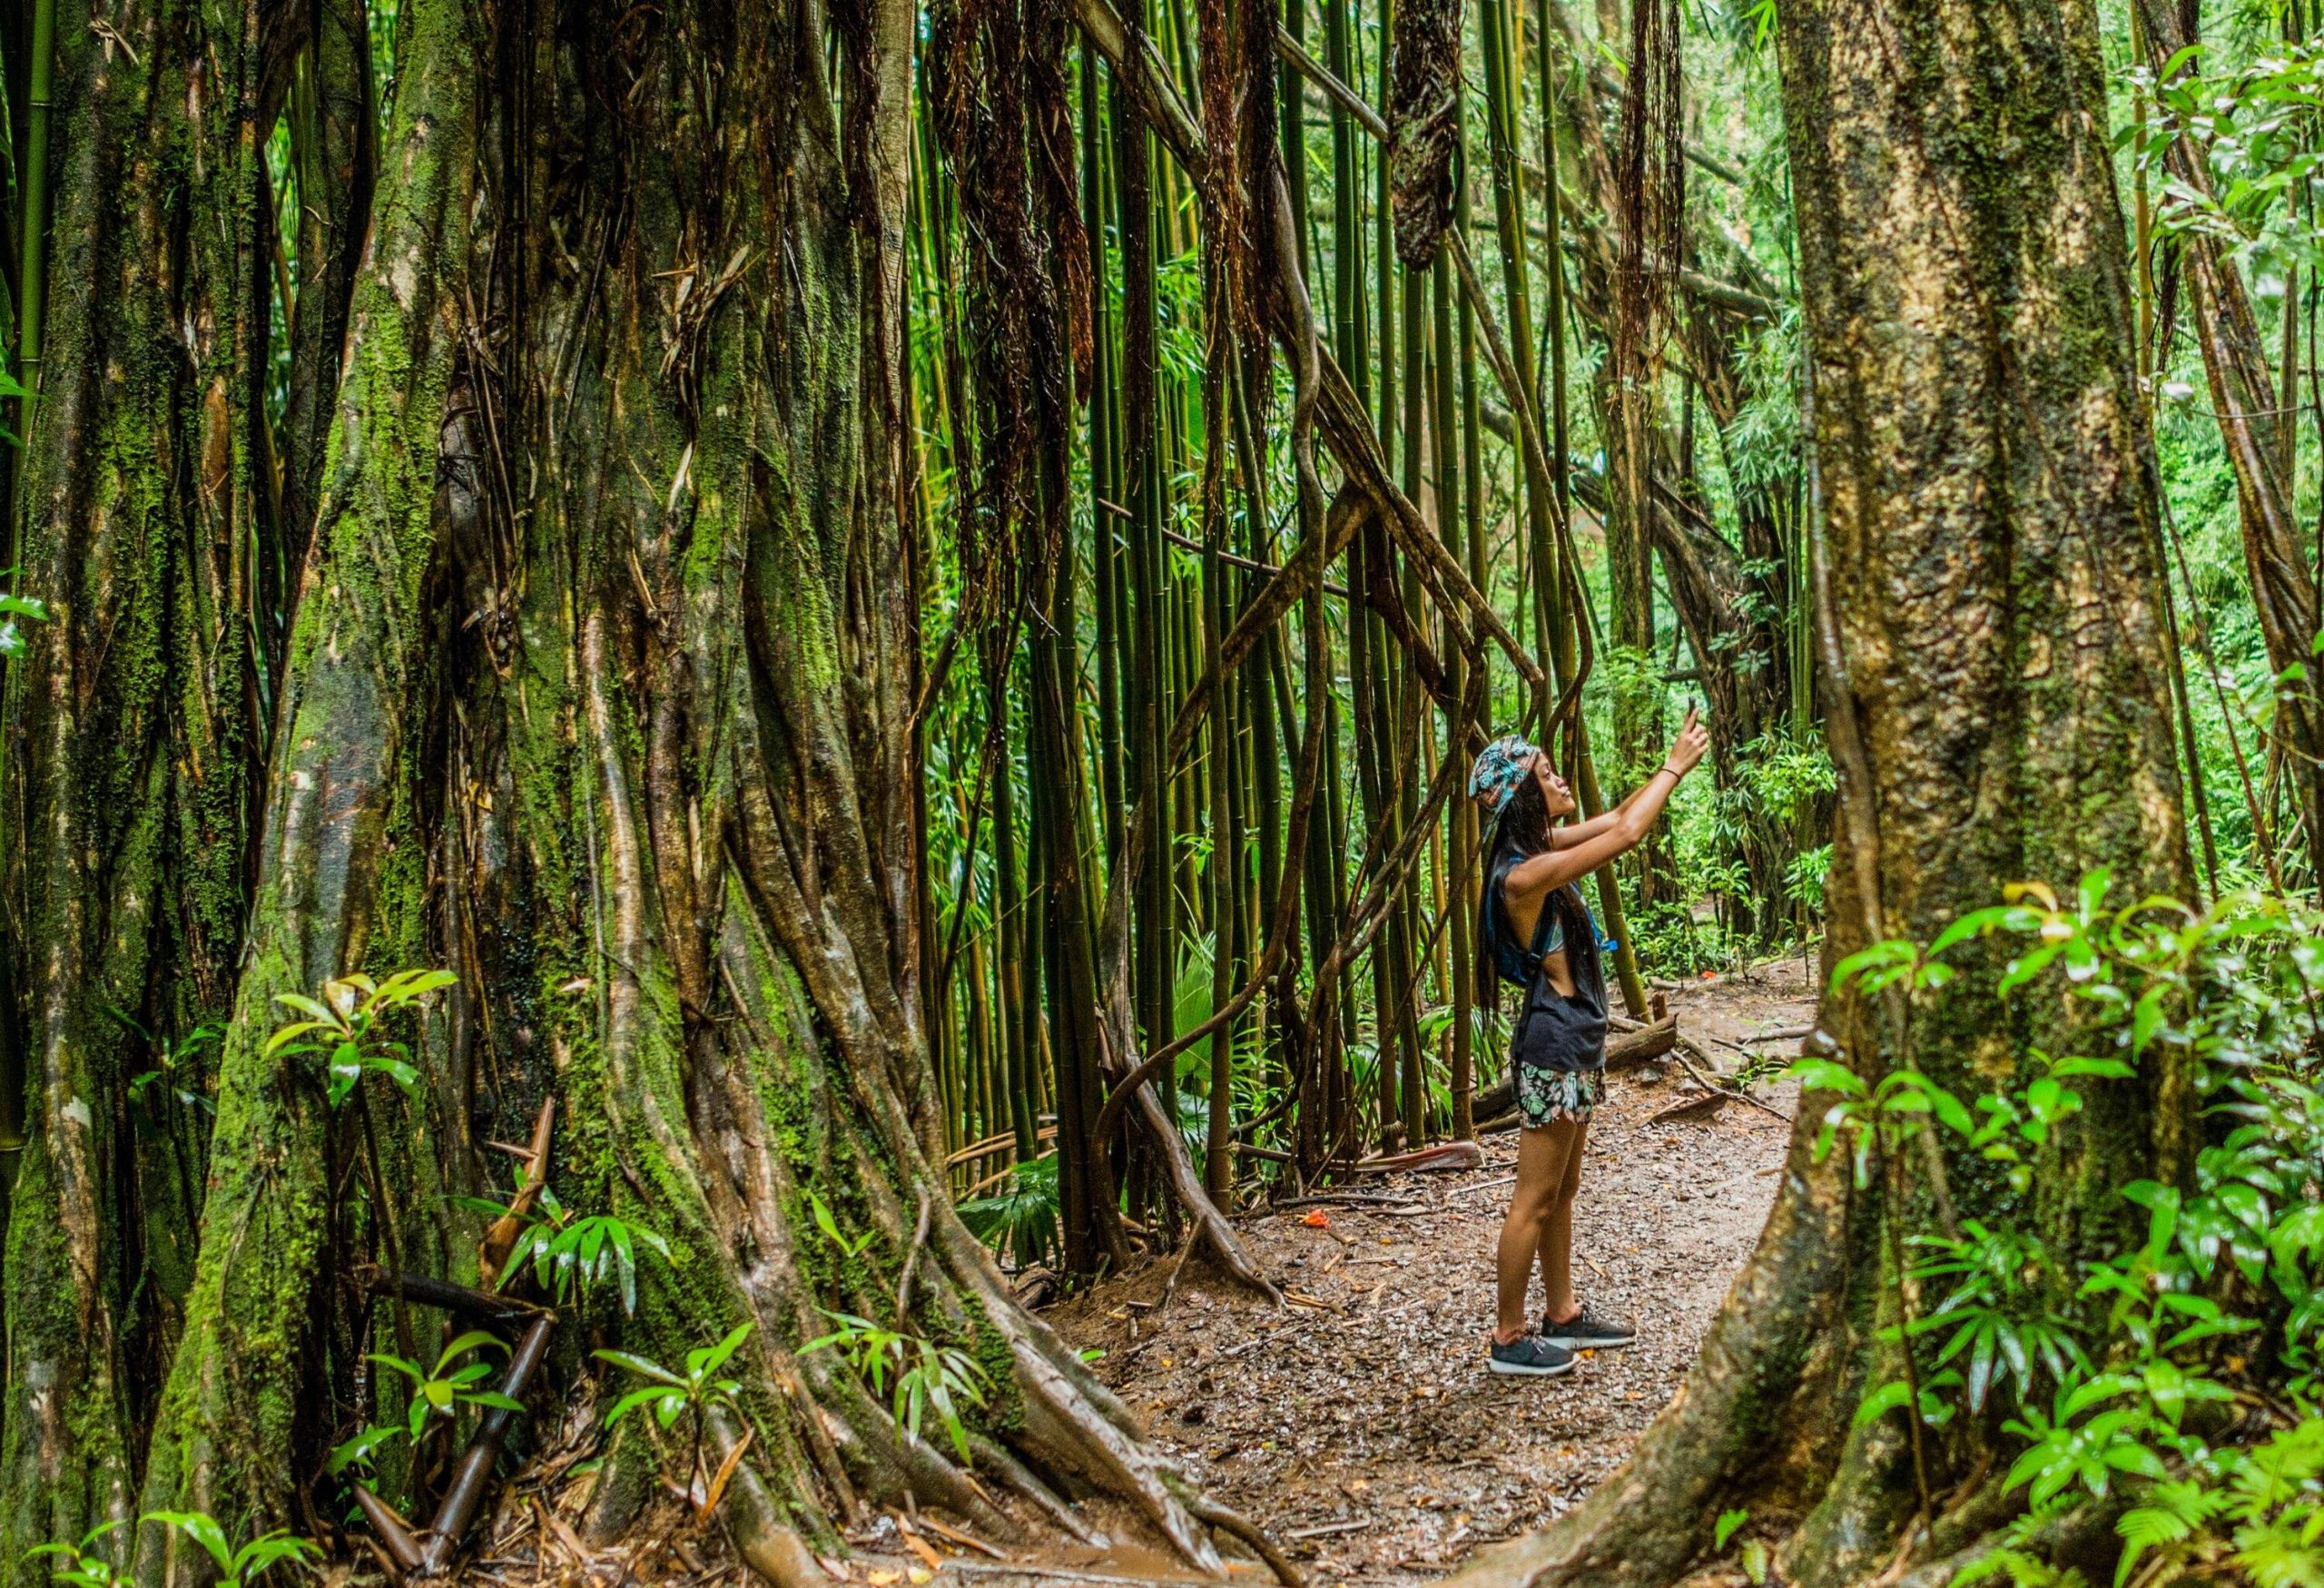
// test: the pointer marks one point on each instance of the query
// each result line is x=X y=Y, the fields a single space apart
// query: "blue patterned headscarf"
x=1499 y=767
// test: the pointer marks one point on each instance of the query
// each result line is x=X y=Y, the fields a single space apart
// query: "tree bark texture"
x=135 y=726
x=1990 y=603
x=1423 y=125
x=595 y=688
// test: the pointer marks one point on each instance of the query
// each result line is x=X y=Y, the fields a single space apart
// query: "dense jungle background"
x=704 y=697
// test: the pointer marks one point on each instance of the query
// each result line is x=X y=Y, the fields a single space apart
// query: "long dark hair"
x=1524 y=824
x=1521 y=831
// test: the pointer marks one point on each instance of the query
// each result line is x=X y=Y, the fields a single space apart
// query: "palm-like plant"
x=239 y=1565
x=441 y=1390
x=690 y=1394
x=571 y=1254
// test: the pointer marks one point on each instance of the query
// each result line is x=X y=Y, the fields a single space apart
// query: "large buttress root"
x=134 y=734
x=241 y=1420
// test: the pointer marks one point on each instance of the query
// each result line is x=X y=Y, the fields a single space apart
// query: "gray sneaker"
x=1587 y=1330
x=1530 y=1358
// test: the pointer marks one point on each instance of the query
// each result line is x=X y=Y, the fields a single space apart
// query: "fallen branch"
x=501 y=1238
x=1491 y=1185
x=1710 y=1085
x=394 y=1532
x=961 y=1536
x=1048 y=1573
x=1329 y=1528
x=1230 y=1521
x=1708 y=1103
x=466 y=1491
x=476 y=1306
x=1451 y=1155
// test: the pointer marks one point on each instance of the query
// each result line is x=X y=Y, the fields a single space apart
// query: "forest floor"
x=1359 y=1427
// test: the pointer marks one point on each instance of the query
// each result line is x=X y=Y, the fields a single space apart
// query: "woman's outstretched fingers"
x=1687 y=748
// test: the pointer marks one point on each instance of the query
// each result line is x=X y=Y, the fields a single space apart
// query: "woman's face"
x=1555 y=794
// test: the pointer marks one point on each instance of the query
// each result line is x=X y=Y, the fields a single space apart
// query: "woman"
x=1538 y=933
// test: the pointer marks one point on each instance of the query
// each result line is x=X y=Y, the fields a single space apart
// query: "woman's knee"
x=1527 y=1208
x=1529 y=1204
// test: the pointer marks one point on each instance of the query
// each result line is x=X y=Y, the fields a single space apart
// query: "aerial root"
x=1242 y=1527
x=1020 y=1480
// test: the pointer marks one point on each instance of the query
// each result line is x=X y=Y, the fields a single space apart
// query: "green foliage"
x=14 y=610
x=1803 y=879
x=346 y=1027
x=1022 y=1219
x=926 y=1377
x=175 y=1060
x=79 y=1563
x=830 y=1227
x=1676 y=941
x=674 y=1395
x=359 y=1450
x=239 y=1565
x=2211 y=1298
x=2254 y=124
x=441 y=1390
x=568 y=1254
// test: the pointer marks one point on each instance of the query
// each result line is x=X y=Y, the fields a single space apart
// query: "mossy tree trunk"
x=1999 y=711
x=135 y=727
x=595 y=690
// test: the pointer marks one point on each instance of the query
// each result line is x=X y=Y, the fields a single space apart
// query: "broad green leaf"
x=1882 y=1401
x=203 y=1529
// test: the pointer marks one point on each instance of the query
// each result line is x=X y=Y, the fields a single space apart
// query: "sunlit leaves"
x=345 y=1027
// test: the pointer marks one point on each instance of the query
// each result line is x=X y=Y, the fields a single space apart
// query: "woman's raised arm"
x=1580 y=849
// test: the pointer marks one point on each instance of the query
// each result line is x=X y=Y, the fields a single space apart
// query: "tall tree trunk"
x=597 y=690
x=2000 y=711
x=135 y=726
x=2256 y=429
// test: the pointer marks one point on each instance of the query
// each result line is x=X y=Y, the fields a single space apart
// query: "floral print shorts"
x=1544 y=1094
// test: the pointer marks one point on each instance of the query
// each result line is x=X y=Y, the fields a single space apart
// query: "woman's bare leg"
x=1557 y=1223
x=1542 y=1171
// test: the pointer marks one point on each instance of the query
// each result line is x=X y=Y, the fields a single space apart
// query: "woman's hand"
x=1687 y=748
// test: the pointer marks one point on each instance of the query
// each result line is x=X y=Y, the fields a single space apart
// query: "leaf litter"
x=1359 y=1426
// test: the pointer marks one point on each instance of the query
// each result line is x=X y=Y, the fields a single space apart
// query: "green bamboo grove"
x=1301 y=949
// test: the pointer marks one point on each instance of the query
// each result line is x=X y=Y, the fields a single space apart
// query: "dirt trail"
x=1361 y=1427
